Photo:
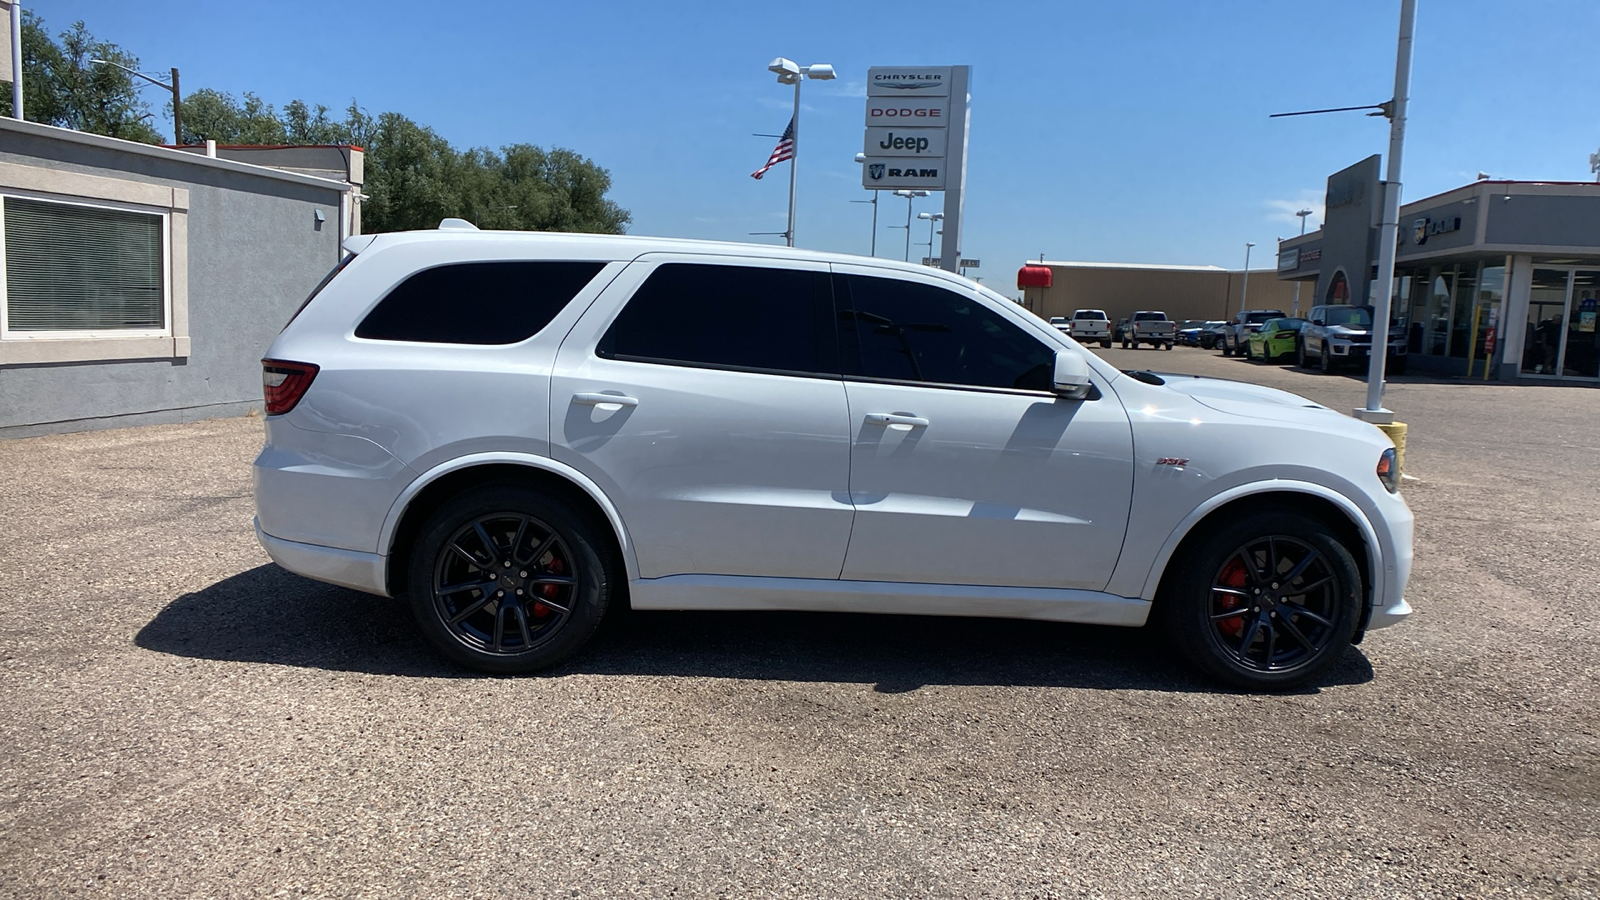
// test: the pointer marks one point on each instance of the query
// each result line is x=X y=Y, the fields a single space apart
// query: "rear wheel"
x=1105 y=344
x=1266 y=603
x=507 y=580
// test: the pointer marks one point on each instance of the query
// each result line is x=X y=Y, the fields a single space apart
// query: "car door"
x=965 y=467
x=703 y=395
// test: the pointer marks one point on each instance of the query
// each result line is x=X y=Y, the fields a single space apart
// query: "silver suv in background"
x=1336 y=335
x=1237 y=332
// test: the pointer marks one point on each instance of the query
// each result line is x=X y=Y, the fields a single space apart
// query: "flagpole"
x=794 y=160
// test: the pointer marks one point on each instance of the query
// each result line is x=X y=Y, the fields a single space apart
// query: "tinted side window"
x=739 y=317
x=477 y=303
x=907 y=331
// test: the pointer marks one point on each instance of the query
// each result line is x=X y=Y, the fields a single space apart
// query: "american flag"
x=781 y=153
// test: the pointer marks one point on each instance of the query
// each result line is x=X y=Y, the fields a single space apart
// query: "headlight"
x=1389 y=470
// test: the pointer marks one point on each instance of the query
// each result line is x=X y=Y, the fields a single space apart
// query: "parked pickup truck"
x=1149 y=327
x=1091 y=326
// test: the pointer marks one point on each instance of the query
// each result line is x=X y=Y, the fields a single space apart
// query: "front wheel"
x=1300 y=355
x=1268 y=602
x=507 y=580
x=1325 y=361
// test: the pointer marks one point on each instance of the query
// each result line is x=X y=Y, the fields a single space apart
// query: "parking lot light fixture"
x=790 y=72
x=177 y=100
x=933 y=220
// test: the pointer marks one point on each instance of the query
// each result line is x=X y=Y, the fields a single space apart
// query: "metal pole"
x=874 y=250
x=794 y=160
x=1244 y=289
x=16 y=60
x=1297 y=281
x=908 y=227
x=1390 y=227
x=932 y=223
x=177 y=109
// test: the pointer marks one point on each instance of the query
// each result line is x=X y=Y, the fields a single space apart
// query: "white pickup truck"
x=1091 y=326
x=1150 y=327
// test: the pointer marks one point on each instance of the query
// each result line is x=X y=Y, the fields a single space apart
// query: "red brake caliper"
x=1233 y=577
x=548 y=590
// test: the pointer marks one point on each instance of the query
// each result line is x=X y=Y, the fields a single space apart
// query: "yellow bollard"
x=1397 y=433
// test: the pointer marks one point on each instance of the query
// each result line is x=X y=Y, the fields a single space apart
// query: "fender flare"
x=391 y=522
x=1369 y=535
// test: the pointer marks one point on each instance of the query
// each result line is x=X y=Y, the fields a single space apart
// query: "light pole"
x=1244 y=289
x=1302 y=214
x=909 y=195
x=861 y=158
x=177 y=109
x=932 y=218
x=16 y=60
x=789 y=72
x=1389 y=228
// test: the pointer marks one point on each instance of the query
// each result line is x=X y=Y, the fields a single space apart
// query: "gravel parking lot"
x=180 y=717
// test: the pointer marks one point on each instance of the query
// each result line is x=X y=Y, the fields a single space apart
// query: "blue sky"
x=1113 y=131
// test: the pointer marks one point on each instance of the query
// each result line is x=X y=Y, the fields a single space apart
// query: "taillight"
x=283 y=383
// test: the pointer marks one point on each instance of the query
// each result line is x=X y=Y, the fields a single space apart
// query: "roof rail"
x=453 y=224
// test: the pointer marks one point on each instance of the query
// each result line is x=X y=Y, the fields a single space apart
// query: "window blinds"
x=81 y=268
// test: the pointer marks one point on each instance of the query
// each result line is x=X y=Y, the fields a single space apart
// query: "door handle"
x=616 y=400
x=896 y=419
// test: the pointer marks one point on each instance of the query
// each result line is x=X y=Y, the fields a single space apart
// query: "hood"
x=1256 y=402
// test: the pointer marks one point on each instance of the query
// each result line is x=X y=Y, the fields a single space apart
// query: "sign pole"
x=955 y=187
x=1388 y=231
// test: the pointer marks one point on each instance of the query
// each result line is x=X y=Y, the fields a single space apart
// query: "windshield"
x=1257 y=317
x=1351 y=316
x=1289 y=324
x=1150 y=317
x=1090 y=314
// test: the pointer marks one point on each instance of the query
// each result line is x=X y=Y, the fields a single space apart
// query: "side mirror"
x=1317 y=322
x=1071 y=378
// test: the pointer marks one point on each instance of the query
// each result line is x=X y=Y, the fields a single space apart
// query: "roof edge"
x=52 y=132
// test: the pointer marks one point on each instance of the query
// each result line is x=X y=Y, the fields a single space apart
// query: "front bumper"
x=347 y=568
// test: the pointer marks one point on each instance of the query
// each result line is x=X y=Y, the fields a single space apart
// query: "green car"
x=1275 y=339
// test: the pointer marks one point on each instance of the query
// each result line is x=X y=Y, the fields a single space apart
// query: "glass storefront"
x=1562 y=340
x=1454 y=310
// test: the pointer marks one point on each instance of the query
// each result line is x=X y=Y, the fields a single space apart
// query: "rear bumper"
x=346 y=568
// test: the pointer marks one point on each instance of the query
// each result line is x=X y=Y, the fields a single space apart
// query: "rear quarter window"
x=477 y=303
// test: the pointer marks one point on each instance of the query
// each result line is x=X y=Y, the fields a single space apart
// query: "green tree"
x=61 y=86
x=213 y=115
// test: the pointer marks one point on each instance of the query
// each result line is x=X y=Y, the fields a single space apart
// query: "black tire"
x=1167 y=345
x=556 y=554
x=1105 y=344
x=1126 y=345
x=1325 y=361
x=1300 y=355
x=1277 y=639
x=1224 y=345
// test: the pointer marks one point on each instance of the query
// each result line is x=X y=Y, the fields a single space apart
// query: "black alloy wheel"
x=1267 y=603
x=506 y=580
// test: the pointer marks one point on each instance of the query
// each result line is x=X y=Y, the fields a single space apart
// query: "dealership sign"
x=916 y=139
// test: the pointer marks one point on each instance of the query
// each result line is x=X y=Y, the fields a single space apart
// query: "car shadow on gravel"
x=269 y=615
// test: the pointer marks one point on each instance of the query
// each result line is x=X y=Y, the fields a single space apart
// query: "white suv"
x=517 y=431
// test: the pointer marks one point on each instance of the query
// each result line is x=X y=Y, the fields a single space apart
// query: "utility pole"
x=16 y=60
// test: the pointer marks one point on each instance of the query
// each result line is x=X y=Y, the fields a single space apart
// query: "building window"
x=80 y=269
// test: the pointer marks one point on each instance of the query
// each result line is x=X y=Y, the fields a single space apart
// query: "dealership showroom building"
x=1496 y=279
